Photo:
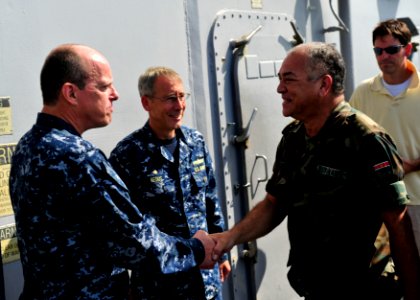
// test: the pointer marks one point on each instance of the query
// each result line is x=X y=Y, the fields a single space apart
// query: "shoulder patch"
x=381 y=165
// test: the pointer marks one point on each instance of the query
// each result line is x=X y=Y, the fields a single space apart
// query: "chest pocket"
x=199 y=174
x=156 y=182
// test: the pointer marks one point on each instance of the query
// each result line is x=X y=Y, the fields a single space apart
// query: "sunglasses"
x=390 y=50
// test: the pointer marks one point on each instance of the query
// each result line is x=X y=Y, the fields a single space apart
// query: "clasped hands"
x=215 y=245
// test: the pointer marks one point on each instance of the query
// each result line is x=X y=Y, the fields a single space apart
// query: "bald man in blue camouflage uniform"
x=77 y=228
x=168 y=170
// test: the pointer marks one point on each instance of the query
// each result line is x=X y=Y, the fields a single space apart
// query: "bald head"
x=72 y=63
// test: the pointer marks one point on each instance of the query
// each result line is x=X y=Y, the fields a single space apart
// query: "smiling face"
x=300 y=93
x=165 y=113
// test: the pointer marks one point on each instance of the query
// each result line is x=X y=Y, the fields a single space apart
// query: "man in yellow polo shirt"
x=392 y=98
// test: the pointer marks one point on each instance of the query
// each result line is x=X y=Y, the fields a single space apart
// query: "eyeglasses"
x=173 y=98
x=390 y=50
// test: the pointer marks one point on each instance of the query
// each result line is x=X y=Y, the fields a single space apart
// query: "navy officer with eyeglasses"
x=168 y=170
x=392 y=98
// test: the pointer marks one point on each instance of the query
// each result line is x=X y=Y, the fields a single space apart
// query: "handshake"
x=215 y=245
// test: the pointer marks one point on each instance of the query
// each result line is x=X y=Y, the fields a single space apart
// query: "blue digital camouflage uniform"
x=180 y=193
x=333 y=187
x=76 y=226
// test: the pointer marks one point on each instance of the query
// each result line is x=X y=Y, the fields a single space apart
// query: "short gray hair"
x=322 y=59
x=146 y=83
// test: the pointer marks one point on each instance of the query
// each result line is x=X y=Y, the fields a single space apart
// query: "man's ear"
x=408 y=49
x=145 y=102
x=326 y=84
x=68 y=91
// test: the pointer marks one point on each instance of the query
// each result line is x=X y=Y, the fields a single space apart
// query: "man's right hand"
x=208 y=243
x=224 y=243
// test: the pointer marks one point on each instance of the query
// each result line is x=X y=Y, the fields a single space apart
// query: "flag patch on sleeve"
x=381 y=165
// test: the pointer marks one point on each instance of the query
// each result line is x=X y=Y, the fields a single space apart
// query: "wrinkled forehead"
x=165 y=82
x=293 y=65
x=99 y=69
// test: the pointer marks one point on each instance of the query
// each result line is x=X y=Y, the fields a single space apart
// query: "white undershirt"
x=396 y=89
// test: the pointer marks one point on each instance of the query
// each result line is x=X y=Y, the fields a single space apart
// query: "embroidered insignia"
x=381 y=165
